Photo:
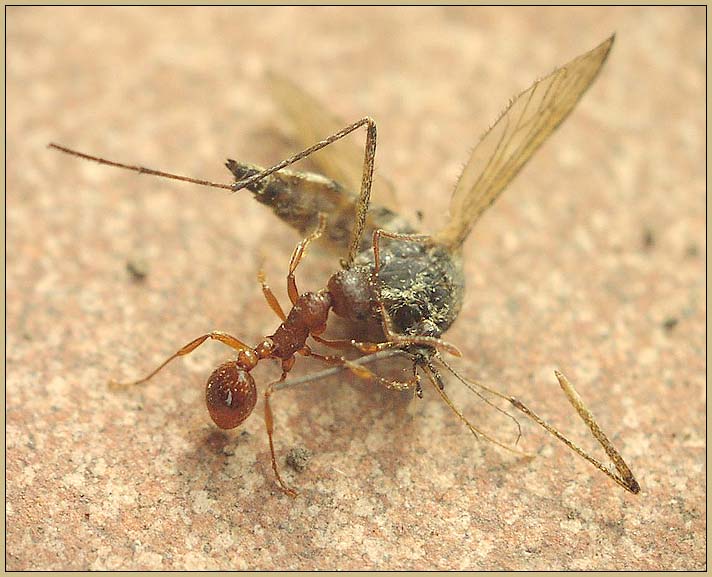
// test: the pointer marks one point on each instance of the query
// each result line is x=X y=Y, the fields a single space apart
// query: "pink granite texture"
x=592 y=262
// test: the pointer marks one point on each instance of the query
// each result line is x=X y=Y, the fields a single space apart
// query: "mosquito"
x=401 y=287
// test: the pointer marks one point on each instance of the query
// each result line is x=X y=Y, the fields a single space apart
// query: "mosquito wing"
x=511 y=141
x=341 y=161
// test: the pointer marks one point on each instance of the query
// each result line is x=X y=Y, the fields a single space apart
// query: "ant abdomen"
x=230 y=395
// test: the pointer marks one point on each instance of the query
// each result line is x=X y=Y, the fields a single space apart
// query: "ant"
x=406 y=287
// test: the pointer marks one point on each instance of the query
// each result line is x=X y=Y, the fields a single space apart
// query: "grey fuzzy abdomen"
x=421 y=286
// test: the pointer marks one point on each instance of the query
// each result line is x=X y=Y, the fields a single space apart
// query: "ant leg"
x=293 y=263
x=298 y=254
x=225 y=338
x=392 y=337
x=269 y=422
x=362 y=372
x=269 y=296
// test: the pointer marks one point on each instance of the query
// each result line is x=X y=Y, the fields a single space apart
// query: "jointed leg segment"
x=225 y=338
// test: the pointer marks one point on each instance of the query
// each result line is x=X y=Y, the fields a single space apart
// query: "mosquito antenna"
x=140 y=169
x=436 y=380
x=469 y=385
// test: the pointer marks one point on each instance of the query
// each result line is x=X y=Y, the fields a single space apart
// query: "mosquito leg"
x=624 y=476
x=362 y=372
x=269 y=422
x=139 y=169
x=225 y=338
x=392 y=337
x=298 y=254
x=436 y=380
x=364 y=198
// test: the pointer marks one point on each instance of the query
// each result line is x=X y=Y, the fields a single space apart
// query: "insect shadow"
x=402 y=288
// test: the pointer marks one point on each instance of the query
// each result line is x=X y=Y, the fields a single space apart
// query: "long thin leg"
x=140 y=169
x=335 y=370
x=436 y=381
x=366 y=179
x=624 y=476
x=269 y=296
x=225 y=338
x=269 y=422
x=392 y=337
x=345 y=344
x=362 y=372
x=298 y=254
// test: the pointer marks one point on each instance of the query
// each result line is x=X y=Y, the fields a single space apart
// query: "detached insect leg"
x=624 y=476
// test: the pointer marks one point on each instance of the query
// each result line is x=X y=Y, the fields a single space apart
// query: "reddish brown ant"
x=409 y=289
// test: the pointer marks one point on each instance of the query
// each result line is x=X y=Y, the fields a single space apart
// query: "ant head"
x=230 y=395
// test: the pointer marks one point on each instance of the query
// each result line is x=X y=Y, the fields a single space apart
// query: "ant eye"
x=230 y=395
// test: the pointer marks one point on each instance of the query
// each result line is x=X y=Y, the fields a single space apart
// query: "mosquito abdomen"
x=297 y=198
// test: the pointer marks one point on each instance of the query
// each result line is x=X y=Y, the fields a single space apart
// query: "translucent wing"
x=511 y=141
x=341 y=161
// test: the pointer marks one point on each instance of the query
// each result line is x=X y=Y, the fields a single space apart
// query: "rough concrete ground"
x=592 y=262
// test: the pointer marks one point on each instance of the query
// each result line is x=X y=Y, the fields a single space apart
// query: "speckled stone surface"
x=592 y=262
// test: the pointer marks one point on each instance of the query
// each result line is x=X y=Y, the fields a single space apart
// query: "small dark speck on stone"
x=228 y=450
x=648 y=238
x=207 y=548
x=692 y=250
x=298 y=458
x=137 y=268
x=670 y=323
